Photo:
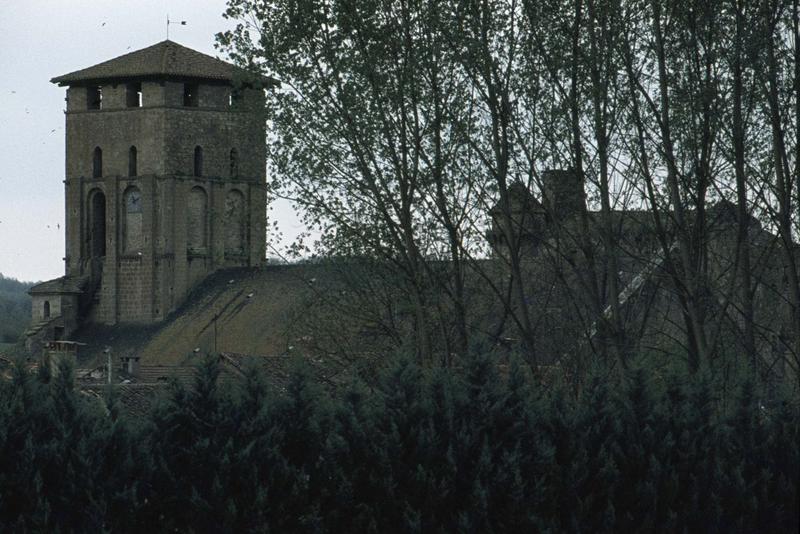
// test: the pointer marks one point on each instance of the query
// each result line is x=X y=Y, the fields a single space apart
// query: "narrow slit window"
x=198 y=161
x=94 y=97
x=234 y=163
x=133 y=95
x=190 y=91
x=97 y=163
x=234 y=98
x=132 y=161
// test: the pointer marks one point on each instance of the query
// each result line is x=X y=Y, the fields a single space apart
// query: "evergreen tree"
x=425 y=450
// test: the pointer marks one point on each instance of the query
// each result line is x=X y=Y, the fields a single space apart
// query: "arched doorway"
x=97 y=224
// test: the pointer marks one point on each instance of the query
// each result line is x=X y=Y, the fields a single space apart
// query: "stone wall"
x=39 y=304
x=150 y=262
x=563 y=194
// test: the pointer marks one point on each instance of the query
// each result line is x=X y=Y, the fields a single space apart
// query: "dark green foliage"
x=15 y=309
x=473 y=450
x=65 y=466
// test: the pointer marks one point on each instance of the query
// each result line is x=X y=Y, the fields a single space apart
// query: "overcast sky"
x=40 y=39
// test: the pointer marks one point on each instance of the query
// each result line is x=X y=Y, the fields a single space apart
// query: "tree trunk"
x=743 y=238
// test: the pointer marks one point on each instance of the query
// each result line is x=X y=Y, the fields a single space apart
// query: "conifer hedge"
x=419 y=451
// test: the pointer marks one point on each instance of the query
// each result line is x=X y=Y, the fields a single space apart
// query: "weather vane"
x=181 y=22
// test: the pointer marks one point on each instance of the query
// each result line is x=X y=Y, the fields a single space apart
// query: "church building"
x=165 y=183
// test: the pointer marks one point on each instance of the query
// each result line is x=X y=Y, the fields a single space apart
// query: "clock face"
x=133 y=202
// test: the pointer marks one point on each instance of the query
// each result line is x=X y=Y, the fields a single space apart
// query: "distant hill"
x=15 y=308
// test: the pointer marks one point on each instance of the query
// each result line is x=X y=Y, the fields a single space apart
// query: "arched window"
x=132 y=224
x=97 y=163
x=198 y=161
x=96 y=224
x=196 y=220
x=234 y=222
x=234 y=163
x=132 y=163
x=46 y=312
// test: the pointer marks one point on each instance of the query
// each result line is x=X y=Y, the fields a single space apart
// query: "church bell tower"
x=165 y=183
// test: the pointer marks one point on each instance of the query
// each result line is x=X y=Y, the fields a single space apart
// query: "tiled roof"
x=135 y=399
x=165 y=59
x=277 y=369
x=65 y=284
x=147 y=374
x=519 y=198
x=154 y=374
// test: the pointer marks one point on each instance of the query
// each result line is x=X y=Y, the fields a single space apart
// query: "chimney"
x=563 y=194
x=130 y=364
x=527 y=220
x=57 y=352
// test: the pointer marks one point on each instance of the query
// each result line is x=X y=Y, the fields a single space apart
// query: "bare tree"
x=401 y=124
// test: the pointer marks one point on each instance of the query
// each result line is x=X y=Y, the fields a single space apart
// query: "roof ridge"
x=164 y=55
x=165 y=59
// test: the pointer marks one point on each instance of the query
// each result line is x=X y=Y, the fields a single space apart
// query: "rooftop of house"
x=239 y=311
x=531 y=217
x=60 y=285
x=166 y=59
x=137 y=394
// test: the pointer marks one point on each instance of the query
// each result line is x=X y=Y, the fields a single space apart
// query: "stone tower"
x=165 y=183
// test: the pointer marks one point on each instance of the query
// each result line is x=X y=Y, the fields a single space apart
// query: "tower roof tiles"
x=166 y=59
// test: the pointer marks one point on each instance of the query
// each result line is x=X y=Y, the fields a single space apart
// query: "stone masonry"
x=165 y=182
